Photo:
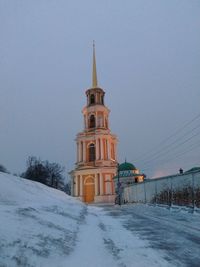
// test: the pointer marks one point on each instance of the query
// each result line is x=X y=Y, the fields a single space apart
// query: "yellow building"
x=92 y=179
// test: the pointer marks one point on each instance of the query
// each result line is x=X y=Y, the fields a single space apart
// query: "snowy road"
x=137 y=236
x=174 y=234
x=43 y=227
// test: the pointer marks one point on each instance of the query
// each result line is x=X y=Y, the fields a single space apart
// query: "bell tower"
x=92 y=179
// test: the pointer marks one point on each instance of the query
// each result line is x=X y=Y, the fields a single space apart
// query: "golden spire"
x=94 y=69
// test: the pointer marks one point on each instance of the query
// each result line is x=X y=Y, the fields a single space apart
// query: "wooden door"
x=89 y=190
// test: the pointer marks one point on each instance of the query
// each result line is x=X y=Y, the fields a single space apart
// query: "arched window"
x=92 y=155
x=92 y=121
x=92 y=99
x=102 y=100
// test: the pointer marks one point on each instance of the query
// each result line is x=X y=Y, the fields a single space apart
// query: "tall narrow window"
x=92 y=152
x=102 y=100
x=92 y=99
x=92 y=121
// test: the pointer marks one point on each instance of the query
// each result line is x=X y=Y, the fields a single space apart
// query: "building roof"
x=194 y=169
x=126 y=166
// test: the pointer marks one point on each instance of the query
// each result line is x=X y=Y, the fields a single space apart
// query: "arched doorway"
x=89 y=190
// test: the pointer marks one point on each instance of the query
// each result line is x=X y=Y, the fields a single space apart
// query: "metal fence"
x=181 y=190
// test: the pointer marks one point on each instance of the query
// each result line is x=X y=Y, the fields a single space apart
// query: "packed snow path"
x=104 y=241
x=137 y=236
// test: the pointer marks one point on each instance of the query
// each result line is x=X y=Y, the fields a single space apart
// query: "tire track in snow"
x=166 y=231
x=90 y=249
x=102 y=240
x=110 y=245
x=126 y=249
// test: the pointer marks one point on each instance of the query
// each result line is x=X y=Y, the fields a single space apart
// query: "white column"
x=97 y=149
x=72 y=186
x=104 y=120
x=96 y=184
x=84 y=151
x=96 y=119
x=106 y=149
x=112 y=184
x=99 y=144
x=115 y=151
x=81 y=185
x=79 y=151
x=86 y=122
x=76 y=186
x=102 y=149
x=101 y=185
x=85 y=126
x=109 y=149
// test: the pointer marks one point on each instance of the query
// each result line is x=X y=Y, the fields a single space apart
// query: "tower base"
x=99 y=199
x=104 y=199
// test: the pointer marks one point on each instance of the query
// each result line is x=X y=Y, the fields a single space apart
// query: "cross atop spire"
x=94 y=69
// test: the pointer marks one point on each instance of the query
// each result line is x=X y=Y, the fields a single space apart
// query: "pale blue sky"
x=148 y=62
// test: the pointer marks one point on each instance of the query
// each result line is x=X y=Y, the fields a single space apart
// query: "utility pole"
x=118 y=186
x=193 y=194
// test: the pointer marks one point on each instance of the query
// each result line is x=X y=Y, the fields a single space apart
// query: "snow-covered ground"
x=174 y=234
x=40 y=226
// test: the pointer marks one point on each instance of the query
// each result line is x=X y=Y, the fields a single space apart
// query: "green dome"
x=126 y=166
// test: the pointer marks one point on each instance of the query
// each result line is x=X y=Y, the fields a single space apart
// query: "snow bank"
x=38 y=224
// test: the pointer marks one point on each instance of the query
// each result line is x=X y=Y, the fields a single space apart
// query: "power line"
x=171 y=150
x=161 y=150
x=177 y=155
x=168 y=138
